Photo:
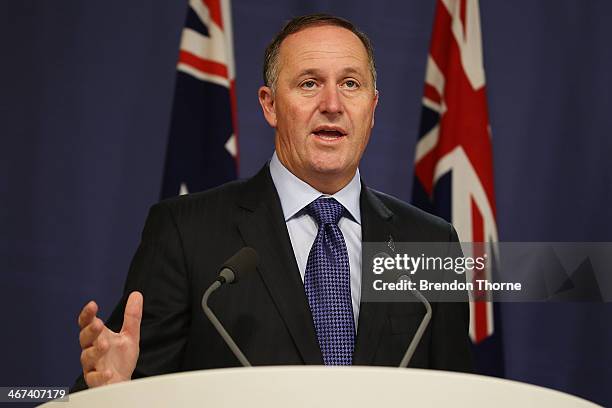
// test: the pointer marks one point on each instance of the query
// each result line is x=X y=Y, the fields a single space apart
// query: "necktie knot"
x=325 y=210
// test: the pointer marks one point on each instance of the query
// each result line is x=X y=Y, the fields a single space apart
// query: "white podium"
x=312 y=386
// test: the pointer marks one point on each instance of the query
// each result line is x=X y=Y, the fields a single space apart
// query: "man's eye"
x=308 y=84
x=351 y=84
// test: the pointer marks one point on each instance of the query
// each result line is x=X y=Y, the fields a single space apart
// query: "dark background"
x=85 y=98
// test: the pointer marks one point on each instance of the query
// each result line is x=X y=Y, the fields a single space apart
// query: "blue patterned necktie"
x=328 y=284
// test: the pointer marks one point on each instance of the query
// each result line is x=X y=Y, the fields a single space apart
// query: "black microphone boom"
x=241 y=262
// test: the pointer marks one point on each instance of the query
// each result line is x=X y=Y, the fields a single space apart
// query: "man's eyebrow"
x=317 y=72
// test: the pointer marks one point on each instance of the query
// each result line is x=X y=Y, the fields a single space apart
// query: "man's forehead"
x=322 y=42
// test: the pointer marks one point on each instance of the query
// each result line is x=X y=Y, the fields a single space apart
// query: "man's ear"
x=266 y=100
x=374 y=107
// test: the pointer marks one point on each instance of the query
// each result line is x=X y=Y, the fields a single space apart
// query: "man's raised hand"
x=108 y=357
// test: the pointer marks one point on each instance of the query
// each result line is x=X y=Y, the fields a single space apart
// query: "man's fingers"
x=97 y=378
x=87 y=314
x=91 y=355
x=133 y=316
x=90 y=333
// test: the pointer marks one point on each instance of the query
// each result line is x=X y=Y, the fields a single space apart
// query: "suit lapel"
x=264 y=229
x=376 y=226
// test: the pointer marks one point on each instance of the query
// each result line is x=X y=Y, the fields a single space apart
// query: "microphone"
x=420 y=330
x=424 y=323
x=241 y=262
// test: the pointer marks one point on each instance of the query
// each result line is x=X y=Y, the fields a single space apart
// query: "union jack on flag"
x=453 y=159
x=203 y=145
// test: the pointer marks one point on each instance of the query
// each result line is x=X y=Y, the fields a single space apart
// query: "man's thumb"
x=133 y=316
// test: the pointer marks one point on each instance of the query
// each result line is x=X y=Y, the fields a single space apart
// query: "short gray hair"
x=271 y=64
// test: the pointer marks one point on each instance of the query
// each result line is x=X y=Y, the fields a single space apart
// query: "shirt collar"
x=296 y=194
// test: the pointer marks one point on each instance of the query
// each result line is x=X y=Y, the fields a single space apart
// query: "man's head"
x=320 y=97
x=271 y=60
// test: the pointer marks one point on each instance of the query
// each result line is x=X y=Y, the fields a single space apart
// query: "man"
x=306 y=214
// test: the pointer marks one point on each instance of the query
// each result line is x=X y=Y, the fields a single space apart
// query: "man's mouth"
x=329 y=133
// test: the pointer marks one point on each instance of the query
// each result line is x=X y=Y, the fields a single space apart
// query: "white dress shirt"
x=296 y=194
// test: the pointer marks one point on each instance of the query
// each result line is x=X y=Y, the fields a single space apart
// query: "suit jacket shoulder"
x=418 y=225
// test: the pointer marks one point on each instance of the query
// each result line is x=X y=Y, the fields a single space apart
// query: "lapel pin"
x=391 y=244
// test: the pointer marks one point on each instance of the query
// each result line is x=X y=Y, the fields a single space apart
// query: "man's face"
x=323 y=105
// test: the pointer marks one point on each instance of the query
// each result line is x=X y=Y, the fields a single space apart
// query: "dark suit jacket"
x=187 y=238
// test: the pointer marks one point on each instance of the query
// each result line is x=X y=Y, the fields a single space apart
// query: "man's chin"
x=331 y=171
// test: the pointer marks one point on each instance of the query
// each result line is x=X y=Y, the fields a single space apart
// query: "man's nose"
x=331 y=102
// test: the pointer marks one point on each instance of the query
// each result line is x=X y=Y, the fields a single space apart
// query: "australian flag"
x=203 y=143
x=454 y=156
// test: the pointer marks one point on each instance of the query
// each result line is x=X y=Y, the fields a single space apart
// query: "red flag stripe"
x=214 y=8
x=204 y=65
x=432 y=94
x=480 y=306
x=463 y=11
